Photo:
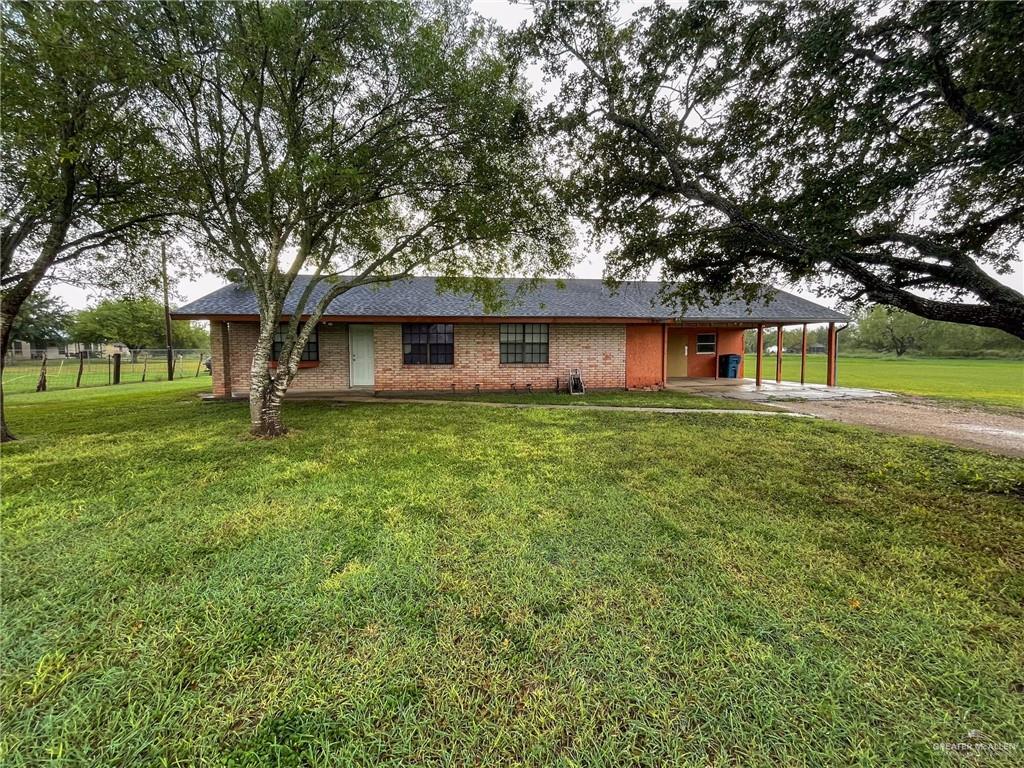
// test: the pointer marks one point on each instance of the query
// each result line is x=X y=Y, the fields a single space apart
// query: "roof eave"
x=685 y=321
x=754 y=322
x=252 y=318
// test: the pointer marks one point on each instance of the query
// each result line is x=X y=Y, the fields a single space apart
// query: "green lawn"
x=414 y=584
x=985 y=382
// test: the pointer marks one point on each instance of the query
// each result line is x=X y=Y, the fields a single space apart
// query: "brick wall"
x=597 y=350
x=218 y=350
x=331 y=373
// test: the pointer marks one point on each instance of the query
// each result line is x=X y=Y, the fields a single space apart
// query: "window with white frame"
x=706 y=343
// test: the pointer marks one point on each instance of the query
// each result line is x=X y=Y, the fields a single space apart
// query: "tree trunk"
x=13 y=300
x=265 y=399
x=266 y=388
x=16 y=294
x=6 y=325
x=5 y=433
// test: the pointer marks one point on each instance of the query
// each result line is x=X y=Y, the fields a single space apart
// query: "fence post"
x=81 y=365
x=145 y=362
x=200 y=366
x=117 y=367
x=41 y=384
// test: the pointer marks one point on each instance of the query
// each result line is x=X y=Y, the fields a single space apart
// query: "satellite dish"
x=235 y=275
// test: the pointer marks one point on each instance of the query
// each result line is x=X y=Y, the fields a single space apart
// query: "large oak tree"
x=83 y=181
x=358 y=142
x=873 y=150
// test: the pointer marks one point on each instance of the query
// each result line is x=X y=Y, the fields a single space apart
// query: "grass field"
x=413 y=584
x=62 y=373
x=985 y=382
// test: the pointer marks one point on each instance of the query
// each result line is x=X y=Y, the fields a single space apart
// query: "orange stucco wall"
x=645 y=345
x=730 y=341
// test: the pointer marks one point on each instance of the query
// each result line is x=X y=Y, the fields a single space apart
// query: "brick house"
x=407 y=336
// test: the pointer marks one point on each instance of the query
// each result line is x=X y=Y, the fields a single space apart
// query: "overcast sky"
x=589 y=264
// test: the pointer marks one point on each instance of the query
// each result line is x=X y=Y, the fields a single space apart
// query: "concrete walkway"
x=356 y=399
x=346 y=397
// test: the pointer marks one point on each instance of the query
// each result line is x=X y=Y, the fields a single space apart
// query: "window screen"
x=310 y=352
x=706 y=343
x=425 y=343
x=523 y=343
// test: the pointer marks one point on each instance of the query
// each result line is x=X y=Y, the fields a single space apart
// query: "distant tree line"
x=887 y=330
x=881 y=329
x=138 y=323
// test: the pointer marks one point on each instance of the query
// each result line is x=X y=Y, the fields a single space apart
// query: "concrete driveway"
x=1000 y=432
x=992 y=431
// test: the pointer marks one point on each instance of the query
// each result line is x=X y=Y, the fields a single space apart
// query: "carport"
x=694 y=350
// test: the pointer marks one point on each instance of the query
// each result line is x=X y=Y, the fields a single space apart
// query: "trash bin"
x=728 y=366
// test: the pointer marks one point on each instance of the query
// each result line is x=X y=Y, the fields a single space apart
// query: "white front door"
x=360 y=355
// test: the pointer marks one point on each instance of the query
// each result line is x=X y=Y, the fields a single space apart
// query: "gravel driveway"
x=992 y=431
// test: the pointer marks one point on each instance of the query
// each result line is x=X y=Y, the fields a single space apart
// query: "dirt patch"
x=992 y=431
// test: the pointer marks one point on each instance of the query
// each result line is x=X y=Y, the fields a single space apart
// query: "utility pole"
x=167 y=313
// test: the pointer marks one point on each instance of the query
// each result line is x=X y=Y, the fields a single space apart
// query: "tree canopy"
x=356 y=142
x=42 y=320
x=872 y=151
x=83 y=173
x=137 y=322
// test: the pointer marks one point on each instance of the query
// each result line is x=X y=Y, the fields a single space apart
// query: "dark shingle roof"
x=419 y=297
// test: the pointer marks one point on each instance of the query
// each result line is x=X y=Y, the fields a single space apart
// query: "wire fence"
x=100 y=369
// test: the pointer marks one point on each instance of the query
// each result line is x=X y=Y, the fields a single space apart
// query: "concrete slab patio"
x=747 y=389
